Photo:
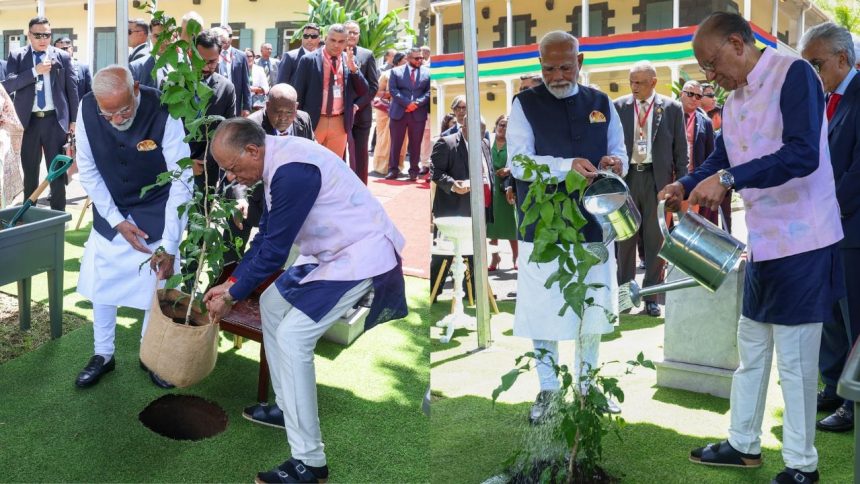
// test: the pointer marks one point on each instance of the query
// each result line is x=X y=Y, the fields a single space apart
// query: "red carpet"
x=408 y=205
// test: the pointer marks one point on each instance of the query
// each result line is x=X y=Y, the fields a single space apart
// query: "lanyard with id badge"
x=642 y=140
x=336 y=88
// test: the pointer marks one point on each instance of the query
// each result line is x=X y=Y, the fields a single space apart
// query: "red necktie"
x=412 y=75
x=831 y=105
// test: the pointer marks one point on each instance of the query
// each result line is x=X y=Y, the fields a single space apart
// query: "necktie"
x=412 y=75
x=832 y=102
x=332 y=80
x=40 y=93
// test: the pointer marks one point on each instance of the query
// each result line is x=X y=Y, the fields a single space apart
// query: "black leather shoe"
x=94 y=370
x=794 y=476
x=413 y=177
x=652 y=309
x=828 y=403
x=157 y=380
x=423 y=171
x=392 y=175
x=293 y=470
x=842 y=420
x=265 y=414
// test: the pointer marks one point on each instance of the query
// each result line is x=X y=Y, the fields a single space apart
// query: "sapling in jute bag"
x=182 y=354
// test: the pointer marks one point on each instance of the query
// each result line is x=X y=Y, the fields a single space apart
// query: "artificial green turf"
x=471 y=438
x=369 y=397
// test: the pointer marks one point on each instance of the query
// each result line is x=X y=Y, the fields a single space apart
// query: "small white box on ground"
x=346 y=329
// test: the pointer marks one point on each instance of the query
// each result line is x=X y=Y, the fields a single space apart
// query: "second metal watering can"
x=608 y=199
x=699 y=248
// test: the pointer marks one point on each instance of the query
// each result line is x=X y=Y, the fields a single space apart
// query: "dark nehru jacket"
x=127 y=165
x=563 y=128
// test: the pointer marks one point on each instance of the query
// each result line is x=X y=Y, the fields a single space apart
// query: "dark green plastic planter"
x=32 y=248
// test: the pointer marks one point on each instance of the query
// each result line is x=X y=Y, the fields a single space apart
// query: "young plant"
x=208 y=211
x=580 y=416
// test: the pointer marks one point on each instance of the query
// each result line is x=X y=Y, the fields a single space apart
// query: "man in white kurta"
x=125 y=139
x=565 y=126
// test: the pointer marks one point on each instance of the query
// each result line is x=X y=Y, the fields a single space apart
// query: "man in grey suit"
x=290 y=60
x=82 y=71
x=270 y=66
x=360 y=136
x=654 y=132
x=43 y=81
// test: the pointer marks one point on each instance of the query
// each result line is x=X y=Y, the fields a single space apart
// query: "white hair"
x=645 y=66
x=111 y=79
x=558 y=37
x=193 y=15
x=692 y=83
x=836 y=38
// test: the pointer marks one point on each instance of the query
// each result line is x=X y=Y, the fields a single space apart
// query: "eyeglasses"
x=709 y=95
x=123 y=113
x=712 y=66
x=460 y=108
x=311 y=36
x=39 y=35
x=133 y=31
x=818 y=64
x=693 y=94
x=564 y=68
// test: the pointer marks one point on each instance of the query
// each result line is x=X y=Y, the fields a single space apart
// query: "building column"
x=91 y=35
x=122 y=33
x=676 y=73
x=801 y=21
x=585 y=78
x=510 y=23
x=40 y=8
x=583 y=20
x=774 y=27
x=440 y=104
x=383 y=7
x=748 y=9
x=412 y=13
x=225 y=12
x=676 y=14
x=440 y=42
x=509 y=91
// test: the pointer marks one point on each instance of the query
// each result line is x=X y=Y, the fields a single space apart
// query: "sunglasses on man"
x=43 y=36
x=709 y=95
x=693 y=94
x=311 y=36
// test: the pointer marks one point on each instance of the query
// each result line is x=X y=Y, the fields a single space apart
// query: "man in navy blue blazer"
x=234 y=66
x=409 y=86
x=328 y=81
x=43 y=81
x=830 y=49
x=700 y=135
x=82 y=71
x=290 y=60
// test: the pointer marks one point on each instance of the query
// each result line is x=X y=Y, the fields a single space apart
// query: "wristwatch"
x=726 y=179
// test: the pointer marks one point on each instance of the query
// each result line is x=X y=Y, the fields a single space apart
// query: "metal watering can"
x=609 y=200
x=699 y=248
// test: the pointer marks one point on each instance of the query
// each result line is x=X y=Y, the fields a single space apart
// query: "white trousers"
x=290 y=337
x=104 y=328
x=587 y=348
x=797 y=361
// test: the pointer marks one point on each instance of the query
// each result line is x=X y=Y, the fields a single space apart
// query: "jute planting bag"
x=182 y=354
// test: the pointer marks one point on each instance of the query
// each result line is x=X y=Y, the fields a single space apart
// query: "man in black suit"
x=657 y=147
x=82 y=71
x=141 y=69
x=280 y=117
x=449 y=168
x=358 y=146
x=138 y=34
x=223 y=103
x=328 y=83
x=829 y=48
x=42 y=79
x=234 y=66
x=290 y=60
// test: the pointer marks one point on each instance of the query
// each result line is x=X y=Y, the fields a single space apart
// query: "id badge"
x=642 y=147
x=40 y=85
x=337 y=91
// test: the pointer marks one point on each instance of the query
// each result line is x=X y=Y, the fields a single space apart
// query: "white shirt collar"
x=843 y=86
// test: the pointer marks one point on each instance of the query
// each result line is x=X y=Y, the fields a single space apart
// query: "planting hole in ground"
x=184 y=417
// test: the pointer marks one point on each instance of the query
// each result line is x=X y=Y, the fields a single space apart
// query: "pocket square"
x=596 y=117
x=146 y=145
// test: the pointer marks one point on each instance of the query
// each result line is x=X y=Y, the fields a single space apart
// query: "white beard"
x=562 y=92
